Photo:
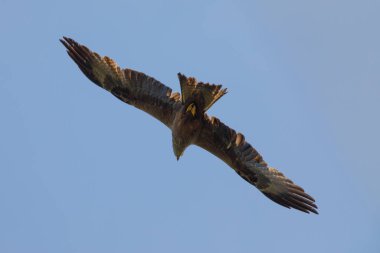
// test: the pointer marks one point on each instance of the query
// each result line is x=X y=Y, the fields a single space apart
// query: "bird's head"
x=179 y=146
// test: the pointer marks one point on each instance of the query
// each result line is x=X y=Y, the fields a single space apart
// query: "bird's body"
x=190 y=118
x=185 y=131
x=186 y=116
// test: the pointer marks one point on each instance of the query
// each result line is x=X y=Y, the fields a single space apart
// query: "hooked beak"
x=179 y=156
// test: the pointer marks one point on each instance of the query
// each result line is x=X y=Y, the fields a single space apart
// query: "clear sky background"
x=80 y=171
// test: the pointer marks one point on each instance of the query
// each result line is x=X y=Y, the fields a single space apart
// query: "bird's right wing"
x=128 y=85
x=231 y=147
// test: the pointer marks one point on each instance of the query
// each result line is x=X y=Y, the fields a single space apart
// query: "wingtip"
x=67 y=42
x=68 y=39
x=312 y=210
x=294 y=202
x=64 y=39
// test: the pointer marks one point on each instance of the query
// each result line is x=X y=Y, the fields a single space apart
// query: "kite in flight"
x=185 y=114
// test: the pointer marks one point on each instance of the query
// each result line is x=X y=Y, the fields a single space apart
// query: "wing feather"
x=231 y=147
x=130 y=86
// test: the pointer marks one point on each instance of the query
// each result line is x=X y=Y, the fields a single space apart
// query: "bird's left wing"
x=128 y=85
x=231 y=147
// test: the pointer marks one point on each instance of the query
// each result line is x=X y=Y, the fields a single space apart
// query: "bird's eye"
x=191 y=108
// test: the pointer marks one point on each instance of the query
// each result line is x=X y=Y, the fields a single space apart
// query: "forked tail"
x=210 y=92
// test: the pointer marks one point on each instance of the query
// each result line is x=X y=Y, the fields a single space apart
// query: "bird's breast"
x=187 y=128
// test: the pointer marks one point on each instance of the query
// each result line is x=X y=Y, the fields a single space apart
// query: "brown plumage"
x=185 y=115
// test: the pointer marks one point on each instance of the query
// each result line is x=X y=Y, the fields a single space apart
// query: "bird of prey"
x=185 y=114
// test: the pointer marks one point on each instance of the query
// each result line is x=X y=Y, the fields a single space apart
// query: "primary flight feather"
x=185 y=114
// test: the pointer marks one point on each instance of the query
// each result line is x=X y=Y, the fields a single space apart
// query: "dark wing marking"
x=128 y=85
x=210 y=92
x=231 y=147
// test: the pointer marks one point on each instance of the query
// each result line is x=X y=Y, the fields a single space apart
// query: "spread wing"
x=128 y=85
x=231 y=147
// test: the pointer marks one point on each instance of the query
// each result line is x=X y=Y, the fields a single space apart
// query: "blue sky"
x=82 y=172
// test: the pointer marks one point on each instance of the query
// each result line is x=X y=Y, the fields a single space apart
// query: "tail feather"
x=210 y=92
